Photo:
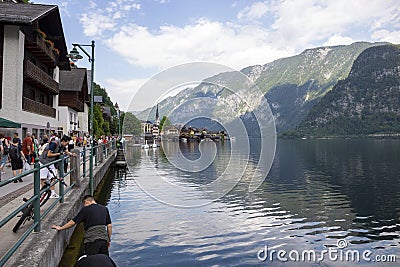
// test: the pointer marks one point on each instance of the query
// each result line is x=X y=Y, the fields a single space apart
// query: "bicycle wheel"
x=27 y=213
x=45 y=196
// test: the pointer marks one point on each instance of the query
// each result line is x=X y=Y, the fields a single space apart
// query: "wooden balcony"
x=44 y=53
x=71 y=102
x=38 y=108
x=79 y=106
x=34 y=75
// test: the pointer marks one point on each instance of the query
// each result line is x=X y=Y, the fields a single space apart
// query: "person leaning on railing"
x=51 y=152
x=97 y=224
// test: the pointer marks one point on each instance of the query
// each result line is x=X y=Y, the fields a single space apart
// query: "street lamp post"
x=118 y=114
x=74 y=56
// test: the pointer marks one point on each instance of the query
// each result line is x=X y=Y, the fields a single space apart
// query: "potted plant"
x=40 y=33
x=56 y=51
x=49 y=43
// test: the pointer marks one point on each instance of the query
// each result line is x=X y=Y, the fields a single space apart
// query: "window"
x=41 y=100
x=35 y=132
x=41 y=133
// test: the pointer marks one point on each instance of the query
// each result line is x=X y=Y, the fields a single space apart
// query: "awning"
x=4 y=123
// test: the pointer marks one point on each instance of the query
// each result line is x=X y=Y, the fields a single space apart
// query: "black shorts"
x=17 y=164
x=97 y=247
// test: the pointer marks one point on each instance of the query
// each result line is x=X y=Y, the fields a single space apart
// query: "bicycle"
x=27 y=212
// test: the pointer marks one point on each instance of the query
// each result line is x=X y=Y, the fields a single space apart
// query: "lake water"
x=318 y=194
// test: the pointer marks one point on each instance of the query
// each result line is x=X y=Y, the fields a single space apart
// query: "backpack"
x=14 y=152
x=6 y=149
x=42 y=148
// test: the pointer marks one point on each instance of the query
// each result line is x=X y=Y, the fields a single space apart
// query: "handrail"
x=35 y=199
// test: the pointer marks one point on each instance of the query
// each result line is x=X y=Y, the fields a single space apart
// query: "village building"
x=74 y=102
x=32 y=53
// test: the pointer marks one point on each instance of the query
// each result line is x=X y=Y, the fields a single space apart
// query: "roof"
x=23 y=14
x=72 y=80
x=89 y=73
x=45 y=17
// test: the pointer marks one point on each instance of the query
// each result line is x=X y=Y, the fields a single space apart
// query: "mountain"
x=291 y=85
x=294 y=85
x=366 y=102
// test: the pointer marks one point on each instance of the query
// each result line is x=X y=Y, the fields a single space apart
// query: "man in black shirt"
x=97 y=224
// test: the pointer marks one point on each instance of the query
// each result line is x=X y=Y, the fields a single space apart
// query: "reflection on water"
x=317 y=192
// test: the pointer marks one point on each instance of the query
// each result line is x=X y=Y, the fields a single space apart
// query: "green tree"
x=130 y=124
x=165 y=122
x=106 y=128
x=98 y=121
x=98 y=91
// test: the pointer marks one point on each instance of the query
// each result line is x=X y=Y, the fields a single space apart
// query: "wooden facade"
x=73 y=100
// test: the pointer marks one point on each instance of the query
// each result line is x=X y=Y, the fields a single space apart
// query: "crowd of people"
x=21 y=154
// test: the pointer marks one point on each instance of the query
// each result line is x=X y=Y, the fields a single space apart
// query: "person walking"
x=16 y=157
x=97 y=224
x=35 y=144
x=5 y=149
x=27 y=147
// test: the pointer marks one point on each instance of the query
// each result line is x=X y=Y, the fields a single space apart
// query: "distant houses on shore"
x=151 y=131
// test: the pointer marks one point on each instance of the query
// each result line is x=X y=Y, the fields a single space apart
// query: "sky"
x=137 y=39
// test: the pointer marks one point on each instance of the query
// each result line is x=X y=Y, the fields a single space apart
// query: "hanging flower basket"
x=40 y=33
x=56 y=51
x=49 y=44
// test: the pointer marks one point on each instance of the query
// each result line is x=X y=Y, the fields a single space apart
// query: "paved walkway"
x=13 y=190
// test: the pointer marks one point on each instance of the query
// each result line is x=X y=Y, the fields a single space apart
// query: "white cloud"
x=97 y=20
x=338 y=40
x=131 y=6
x=123 y=91
x=205 y=40
x=387 y=36
x=63 y=7
x=254 y=11
x=95 y=24
x=306 y=23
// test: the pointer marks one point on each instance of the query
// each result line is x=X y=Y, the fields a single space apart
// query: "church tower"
x=157 y=117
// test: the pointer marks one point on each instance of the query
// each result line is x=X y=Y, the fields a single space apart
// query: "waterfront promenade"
x=47 y=247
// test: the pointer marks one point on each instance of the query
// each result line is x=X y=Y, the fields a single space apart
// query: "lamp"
x=117 y=109
x=75 y=56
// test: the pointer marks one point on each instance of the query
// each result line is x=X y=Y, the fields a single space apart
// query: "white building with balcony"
x=32 y=52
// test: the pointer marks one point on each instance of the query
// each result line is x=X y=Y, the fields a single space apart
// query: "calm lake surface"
x=317 y=193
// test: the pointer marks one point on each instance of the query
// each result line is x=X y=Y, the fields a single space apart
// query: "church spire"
x=157 y=117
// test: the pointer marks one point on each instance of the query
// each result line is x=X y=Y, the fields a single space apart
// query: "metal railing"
x=100 y=152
